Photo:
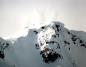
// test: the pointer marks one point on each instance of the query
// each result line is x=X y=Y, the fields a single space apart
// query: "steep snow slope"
x=50 y=46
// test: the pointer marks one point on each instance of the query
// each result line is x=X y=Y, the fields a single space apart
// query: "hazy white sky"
x=15 y=15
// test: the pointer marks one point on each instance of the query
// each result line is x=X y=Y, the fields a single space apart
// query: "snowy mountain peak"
x=48 y=43
x=54 y=40
x=55 y=46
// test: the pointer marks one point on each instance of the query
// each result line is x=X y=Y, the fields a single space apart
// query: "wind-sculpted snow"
x=50 y=46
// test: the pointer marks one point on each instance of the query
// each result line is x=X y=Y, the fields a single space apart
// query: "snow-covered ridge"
x=54 y=44
x=56 y=39
x=3 y=45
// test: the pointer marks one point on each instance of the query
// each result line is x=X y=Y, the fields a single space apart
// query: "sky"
x=17 y=15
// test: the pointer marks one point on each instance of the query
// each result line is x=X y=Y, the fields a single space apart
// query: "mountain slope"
x=52 y=45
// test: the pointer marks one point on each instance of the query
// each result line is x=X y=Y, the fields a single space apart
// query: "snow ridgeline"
x=3 y=45
x=54 y=44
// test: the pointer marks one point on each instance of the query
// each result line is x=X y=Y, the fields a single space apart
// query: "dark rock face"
x=57 y=26
x=51 y=57
x=35 y=32
x=37 y=46
x=2 y=55
x=66 y=42
x=83 y=45
x=43 y=27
